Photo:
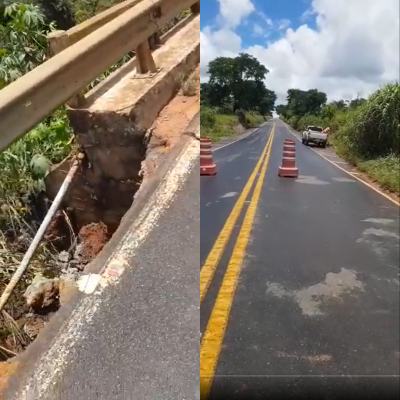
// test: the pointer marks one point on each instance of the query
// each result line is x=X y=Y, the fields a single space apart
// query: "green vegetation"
x=366 y=132
x=235 y=97
x=23 y=32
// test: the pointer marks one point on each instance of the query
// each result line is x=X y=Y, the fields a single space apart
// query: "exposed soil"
x=92 y=239
x=59 y=231
x=173 y=119
x=178 y=113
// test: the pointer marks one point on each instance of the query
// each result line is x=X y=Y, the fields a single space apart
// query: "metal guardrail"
x=80 y=59
x=25 y=102
x=60 y=40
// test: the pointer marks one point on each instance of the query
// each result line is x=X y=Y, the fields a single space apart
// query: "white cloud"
x=353 y=50
x=233 y=12
x=258 y=30
x=213 y=44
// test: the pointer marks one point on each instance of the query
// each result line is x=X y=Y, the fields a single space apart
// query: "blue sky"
x=352 y=51
x=273 y=17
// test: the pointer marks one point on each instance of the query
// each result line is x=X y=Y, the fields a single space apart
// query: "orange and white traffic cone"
x=288 y=168
x=207 y=166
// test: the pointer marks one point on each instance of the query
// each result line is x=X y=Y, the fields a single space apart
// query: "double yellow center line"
x=213 y=336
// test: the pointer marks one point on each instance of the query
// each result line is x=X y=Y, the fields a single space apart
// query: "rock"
x=68 y=283
x=42 y=292
x=64 y=257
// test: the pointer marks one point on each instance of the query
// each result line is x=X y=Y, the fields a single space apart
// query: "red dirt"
x=92 y=239
x=172 y=121
x=175 y=117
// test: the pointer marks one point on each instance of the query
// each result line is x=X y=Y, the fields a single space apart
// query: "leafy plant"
x=22 y=41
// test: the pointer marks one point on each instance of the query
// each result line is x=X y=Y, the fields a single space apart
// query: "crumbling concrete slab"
x=114 y=132
x=111 y=130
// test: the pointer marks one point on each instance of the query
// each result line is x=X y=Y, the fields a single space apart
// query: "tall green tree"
x=238 y=82
x=281 y=109
x=300 y=102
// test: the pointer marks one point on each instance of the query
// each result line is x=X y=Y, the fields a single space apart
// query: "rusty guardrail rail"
x=80 y=55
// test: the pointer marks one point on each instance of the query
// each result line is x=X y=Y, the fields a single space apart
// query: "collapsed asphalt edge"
x=78 y=303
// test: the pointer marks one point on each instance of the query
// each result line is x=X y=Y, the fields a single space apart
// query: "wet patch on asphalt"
x=344 y=180
x=315 y=298
x=310 y=180
x=227 y=195
x=229 y=158
x=378 y=239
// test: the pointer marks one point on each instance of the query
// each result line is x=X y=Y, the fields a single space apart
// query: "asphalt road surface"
x=299 y=278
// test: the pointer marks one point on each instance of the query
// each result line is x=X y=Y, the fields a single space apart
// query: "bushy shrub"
x=207 y=117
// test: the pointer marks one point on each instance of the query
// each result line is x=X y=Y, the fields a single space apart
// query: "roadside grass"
x=217 y=125
x=223 y=127
x=254 y=119
x=384 y=171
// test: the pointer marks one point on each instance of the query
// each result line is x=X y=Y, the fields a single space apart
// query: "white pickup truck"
x=314 y=134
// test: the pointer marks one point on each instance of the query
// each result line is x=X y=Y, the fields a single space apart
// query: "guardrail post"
x=145 y=61
x=154 y=41
x=195 y=8
x=59 y=41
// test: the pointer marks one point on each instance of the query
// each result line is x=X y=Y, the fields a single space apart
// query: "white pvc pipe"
x=38 y=237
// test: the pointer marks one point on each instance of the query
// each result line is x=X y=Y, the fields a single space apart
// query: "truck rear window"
x=315 y=128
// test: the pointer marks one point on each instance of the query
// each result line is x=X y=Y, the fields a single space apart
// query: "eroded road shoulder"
x=133 y=336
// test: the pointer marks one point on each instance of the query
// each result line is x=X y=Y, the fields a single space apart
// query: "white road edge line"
x=353 y=175
x=241 y=138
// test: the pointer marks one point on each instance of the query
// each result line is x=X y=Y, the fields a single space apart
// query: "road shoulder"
x=331 y=156
x=226 y=141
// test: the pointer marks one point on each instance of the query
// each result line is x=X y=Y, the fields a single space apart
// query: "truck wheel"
x=323 y=145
